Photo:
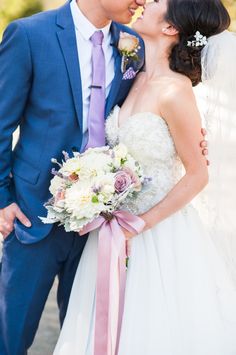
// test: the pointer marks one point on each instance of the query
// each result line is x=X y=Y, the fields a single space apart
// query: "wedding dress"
x=179 y=297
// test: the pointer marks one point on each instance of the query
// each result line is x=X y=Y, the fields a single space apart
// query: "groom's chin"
x=125 y=20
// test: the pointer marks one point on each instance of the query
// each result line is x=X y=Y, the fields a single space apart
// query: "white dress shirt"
x=84 y=29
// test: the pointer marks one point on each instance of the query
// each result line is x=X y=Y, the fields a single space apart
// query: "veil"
x=216 y=98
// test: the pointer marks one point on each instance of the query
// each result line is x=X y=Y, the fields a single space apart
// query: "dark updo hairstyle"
x=209 y=17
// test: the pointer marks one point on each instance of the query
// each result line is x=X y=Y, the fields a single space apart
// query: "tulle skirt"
x=179 y=298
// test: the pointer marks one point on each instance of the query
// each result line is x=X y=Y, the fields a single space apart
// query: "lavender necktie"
x=96 y=116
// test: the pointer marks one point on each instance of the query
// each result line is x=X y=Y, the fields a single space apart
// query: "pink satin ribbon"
x=111 y=259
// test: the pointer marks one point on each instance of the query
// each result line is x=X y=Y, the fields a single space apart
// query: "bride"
x=180 y=298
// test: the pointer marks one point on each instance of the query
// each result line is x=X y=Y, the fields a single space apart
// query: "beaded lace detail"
x=148 y=139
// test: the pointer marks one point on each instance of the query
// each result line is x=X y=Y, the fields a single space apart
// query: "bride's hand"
x=148 y=222
x=128 y=235
x=81 y=231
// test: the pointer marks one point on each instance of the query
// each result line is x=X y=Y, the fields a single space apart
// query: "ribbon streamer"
x=111 y=261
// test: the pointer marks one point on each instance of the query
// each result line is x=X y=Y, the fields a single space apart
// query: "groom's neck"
x=94 y=12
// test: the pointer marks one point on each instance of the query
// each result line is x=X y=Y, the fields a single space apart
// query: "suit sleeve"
x=15 y=83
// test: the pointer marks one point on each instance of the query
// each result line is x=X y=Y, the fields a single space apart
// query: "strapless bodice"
x=148 y=139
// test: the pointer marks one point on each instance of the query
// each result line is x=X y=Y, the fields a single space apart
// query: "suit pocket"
x=9 y=237
x=25 y=171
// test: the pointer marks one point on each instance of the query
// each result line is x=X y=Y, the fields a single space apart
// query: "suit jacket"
x=40 y=91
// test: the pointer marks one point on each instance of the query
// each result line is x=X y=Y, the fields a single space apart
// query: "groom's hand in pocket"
x=7 y=217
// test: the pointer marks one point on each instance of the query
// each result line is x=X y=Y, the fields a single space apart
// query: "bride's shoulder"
x=176 y=89
x=177 y=99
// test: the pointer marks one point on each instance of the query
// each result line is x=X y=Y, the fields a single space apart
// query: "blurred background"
x=10 y=10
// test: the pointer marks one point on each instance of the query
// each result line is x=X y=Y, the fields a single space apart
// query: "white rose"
x=127 y=42
x=130 y=163
x=106 y=186
x=78 y=202
x=95 y=164
x=86 y=173
x=96 y=150
x=120 y=151
x=56 y=184
x=71 y=166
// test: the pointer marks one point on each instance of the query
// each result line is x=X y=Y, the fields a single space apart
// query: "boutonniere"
x=128 y=47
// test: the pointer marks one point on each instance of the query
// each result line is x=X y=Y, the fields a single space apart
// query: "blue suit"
x=40 y=91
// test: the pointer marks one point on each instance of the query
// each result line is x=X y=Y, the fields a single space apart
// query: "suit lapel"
x=115 y=34
x=67 y=39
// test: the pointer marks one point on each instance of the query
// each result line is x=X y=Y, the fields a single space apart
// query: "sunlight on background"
x=12 y=9
x=9 y=11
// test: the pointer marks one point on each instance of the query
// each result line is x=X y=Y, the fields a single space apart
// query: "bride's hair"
x=209 y=17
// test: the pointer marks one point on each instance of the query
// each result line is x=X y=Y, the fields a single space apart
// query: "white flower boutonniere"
x=128 y=46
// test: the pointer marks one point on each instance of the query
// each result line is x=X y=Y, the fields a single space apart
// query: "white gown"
x=179 y=299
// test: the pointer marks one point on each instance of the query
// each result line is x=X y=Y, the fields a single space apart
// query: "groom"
x=60 y=75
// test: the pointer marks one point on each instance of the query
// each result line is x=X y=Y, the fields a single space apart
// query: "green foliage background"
x=12 y=9
x=231 y=6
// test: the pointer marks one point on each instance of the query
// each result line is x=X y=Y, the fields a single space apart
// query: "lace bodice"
x=148 y=140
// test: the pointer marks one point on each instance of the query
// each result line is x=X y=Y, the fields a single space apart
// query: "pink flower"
x=60 y=195
x=134 y=178
x=73 y=177
x=122 y=181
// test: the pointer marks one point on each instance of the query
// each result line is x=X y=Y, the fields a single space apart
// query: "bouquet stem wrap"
x=111 y=262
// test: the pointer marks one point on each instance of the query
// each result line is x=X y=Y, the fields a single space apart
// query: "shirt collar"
x=83 y=25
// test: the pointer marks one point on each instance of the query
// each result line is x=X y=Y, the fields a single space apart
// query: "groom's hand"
x=7 y=217
x=204 y=145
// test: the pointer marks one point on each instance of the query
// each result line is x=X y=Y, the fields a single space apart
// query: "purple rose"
x=122 y=181
x=134 y=179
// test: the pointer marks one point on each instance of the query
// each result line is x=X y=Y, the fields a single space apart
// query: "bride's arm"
x=182 y=116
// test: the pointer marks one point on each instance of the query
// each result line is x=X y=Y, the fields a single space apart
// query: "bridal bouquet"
x=94 y=183
x=88 y=192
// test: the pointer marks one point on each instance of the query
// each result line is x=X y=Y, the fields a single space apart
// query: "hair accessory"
x=200 y=40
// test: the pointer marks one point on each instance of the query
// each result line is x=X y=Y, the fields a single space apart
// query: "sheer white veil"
x=216 y=97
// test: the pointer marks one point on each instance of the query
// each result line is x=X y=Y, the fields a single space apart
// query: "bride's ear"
x=170 y=30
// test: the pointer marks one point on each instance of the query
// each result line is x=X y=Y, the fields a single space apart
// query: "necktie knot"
x=97 y=38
